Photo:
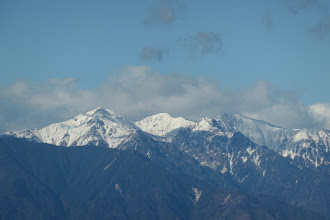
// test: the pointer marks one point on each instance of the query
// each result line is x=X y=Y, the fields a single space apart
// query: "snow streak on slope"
x=101 y=127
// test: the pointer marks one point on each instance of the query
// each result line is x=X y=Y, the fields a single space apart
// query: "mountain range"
x=230 y=152
x=103 y=127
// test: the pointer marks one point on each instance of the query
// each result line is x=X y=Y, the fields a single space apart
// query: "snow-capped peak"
x=162 y=124
x=101 y=112
x=98 y=127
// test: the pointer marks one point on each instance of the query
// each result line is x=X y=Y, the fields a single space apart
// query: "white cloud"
x=320 y=113
x=138 y=91
x=285 y=114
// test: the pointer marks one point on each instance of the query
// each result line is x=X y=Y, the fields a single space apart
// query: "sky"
x=268 y=60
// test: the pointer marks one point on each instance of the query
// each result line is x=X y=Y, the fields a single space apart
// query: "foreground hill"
x=41 y=181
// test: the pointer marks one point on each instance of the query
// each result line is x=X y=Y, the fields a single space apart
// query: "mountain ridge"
x=309 y=147
x=104 y=127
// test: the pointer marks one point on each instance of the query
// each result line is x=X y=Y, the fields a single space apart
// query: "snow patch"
x=117 y=187
x=250 y=151
x=225 y=200
x=224 y=169
x=205 y=164
x=256 y=160
x=197 y=195
x=289 y=153
x=242 y=180
x=231 y=164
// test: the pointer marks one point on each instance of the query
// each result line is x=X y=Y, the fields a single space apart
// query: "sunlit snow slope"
x=101 y=127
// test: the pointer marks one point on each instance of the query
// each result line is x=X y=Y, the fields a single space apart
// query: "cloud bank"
x=137 y=91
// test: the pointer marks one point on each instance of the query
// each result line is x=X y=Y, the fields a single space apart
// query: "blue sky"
x=281 y=47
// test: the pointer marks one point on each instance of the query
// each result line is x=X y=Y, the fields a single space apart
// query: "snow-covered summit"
x=98 y=127
x=162 y=124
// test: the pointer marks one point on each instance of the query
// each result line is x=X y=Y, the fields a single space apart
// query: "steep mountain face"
x=41 y=181
x=171 y=158
x=224 y=144
x=256 y=169
x=306 y=147
x=101 y=127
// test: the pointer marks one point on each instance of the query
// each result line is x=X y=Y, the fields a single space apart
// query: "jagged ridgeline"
x=216 y=166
